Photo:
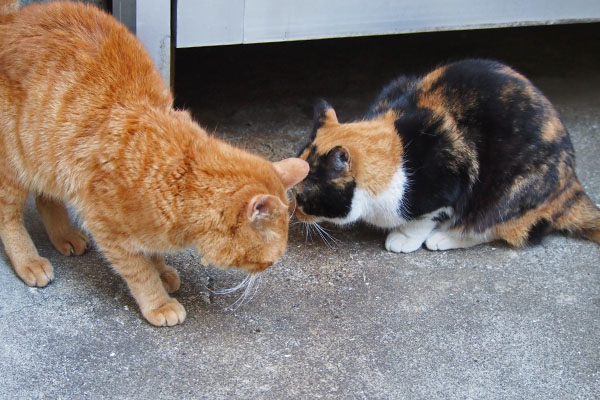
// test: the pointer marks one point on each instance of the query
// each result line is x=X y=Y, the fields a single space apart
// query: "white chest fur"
x=382 y=210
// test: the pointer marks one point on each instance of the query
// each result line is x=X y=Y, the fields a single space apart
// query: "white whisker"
x=329 y=235
x=247 y=284
x=310 y=228
x=305 y=232
x=295 y=206
x=244 y=295
x=234 y=289
x=320 y=233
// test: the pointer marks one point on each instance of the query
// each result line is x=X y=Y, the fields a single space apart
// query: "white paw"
x=398 y=242
x=440 y=241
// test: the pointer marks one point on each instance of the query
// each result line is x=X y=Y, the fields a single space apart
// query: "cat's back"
x=72 y=82
x=70 y=43
x=477 y=90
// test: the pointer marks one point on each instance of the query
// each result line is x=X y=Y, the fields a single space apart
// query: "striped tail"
x=583 y=218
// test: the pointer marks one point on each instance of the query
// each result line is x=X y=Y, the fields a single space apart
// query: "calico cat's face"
x=350 y=164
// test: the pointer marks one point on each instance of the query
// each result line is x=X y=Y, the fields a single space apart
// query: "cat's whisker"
x=310 y=231
x=305 y=232
x=326 y=233
x=242 y=299
x=249 y=291
x=234 y=289
x=295 y=205
x=323 y=238
x=256 y=286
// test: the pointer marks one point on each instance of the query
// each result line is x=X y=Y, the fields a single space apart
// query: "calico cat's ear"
x=339 y=159
x=263 y=206
x=291 y=171
x=323 y=114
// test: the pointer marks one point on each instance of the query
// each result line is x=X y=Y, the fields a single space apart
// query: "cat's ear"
x=264 y=206
x=339 y=158
x=323 y=114
x=291 y=171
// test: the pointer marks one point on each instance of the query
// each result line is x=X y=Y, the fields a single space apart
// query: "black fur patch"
x=441 y=217
x=319 y=195
x=538 y=231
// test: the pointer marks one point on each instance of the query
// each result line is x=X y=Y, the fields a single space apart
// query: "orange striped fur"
x=86 y=118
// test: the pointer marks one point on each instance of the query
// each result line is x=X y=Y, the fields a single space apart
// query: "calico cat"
x=86 y=118
x=470 y=153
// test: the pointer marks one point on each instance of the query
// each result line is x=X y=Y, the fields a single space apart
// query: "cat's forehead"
x=328 y=137
x=353 y=135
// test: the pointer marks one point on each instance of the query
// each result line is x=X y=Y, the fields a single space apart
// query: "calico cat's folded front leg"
x=456 y=239
x=411 y=236
x=144 y=281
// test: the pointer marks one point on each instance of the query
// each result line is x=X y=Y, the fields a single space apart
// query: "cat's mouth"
x=297 y=211
x=303 y=217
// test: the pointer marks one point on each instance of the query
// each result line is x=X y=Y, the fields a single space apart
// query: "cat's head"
x=250 y=219
x=350 y=164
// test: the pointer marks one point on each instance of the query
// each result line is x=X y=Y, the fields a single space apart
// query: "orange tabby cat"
x=86 y=118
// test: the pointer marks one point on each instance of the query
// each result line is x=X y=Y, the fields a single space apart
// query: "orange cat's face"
x=251 y=229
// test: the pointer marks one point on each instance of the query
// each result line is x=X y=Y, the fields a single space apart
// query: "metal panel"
x=124 y=11
x=277 y=20
x=209 y=22
x=153 y=28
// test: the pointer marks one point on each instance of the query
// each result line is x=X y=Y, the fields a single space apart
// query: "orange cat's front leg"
x=144 y=281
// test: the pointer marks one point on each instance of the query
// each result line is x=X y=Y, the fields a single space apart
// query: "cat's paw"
x=441 y=241
x=398 y=242
x=170 y=279
x=72 y=242
x=38 y=272
x=169 y=314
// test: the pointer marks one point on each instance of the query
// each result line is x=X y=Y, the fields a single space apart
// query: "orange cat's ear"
x=291 y=171
x=263 y=206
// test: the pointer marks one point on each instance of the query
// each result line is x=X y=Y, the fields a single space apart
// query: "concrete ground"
x=348 y=322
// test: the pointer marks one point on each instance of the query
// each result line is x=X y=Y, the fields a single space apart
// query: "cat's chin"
x=251 y=268
x=256 y=268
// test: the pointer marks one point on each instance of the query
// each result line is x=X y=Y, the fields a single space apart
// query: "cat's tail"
x=582 y=218
x=8 y=6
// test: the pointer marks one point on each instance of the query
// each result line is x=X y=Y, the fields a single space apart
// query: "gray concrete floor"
x=353 y=321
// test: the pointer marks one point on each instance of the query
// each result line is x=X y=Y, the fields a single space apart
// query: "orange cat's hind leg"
x=66 y=239
x=168 y=275
x=28 y=265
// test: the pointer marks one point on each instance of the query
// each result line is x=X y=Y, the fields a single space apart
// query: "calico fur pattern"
x=469 y=153
x=86 y=118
